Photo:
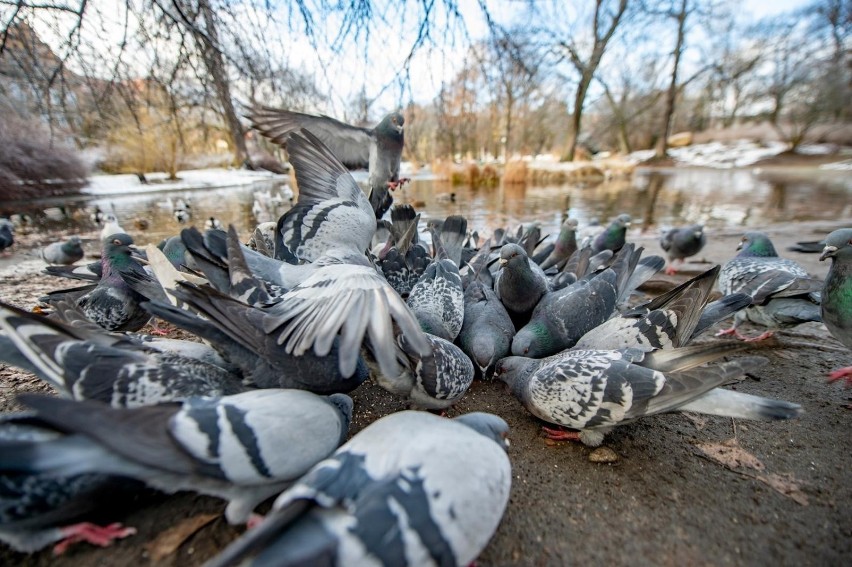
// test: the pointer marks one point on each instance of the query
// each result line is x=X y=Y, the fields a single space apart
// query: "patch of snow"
x=722 y=155
x=816 y=149
x=191 y=179
x=845 y=165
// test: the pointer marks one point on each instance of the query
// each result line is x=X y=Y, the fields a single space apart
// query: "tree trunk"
x=661 y=149
x=215 y=64
x=577 y=115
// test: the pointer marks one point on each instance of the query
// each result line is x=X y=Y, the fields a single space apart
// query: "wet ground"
x=682 y=489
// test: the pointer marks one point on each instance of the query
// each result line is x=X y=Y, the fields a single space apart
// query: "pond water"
x=654 y=198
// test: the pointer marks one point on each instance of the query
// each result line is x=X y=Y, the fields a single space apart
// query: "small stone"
x=603 y=455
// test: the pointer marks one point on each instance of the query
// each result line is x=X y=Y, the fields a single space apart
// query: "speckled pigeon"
x=565 y=245
x=242 y=448
x=595 y=390
x=63 y=253
x=37 y=510
x=7 y=234
x=520 y=283
x=437 y=299
x=681 y=243
x=402 y=259
x=82 y=365
x=837 y=294
x=379 y=148
x=613 y=236
x=410 y=489
x=783 y=294
x=433 y=381
x=487 y=331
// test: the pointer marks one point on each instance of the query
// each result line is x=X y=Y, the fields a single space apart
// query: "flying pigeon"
x=595 y=390
x=437 y=299
x=613 y=236
x=837 y=294
x=520 y=283
x=242 y=448
x=783 y=294
x=681 y=243
x=7 y=234
x=487 y=331
x=410 y=489
x=432 y=381
x=64 y=253
x=565 y=245
x=379 y=148
x=83 y=365
x=37 y=510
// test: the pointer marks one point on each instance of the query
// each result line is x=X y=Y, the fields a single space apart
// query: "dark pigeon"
x=681 y=243
x=487 y=331
x=595 y=390
x=63 y=253
x=613 y=237
x=836 y=307
x=86 y=366
x=783 y=294
x=410 y=489
x=403 y=260
x=565 y=245
x=520 y=283
x=7 y=234
x=379 y=148
x=808 y=247
x=242 y=448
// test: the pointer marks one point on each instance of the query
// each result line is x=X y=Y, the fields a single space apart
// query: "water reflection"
x=654 y=198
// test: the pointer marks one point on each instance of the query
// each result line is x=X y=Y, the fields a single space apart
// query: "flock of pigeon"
x=335 y=295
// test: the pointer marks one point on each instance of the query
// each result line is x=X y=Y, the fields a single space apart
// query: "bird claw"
x=760 y=337
x=254 y=520
x=560 y=434
x=842 y=373
x=393 y=185
x=724 y=332
x=101 y=536
x=670 y=270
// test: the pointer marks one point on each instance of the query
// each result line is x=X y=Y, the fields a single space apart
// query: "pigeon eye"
x=117 y=242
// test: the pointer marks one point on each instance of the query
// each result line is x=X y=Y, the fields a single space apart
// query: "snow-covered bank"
x=109 y=185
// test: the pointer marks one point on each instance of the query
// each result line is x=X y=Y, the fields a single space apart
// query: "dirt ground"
x=682 y=490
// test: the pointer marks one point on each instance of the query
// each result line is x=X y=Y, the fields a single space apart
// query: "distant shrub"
x=31 y=166
x=516 y=173
x=489 y=177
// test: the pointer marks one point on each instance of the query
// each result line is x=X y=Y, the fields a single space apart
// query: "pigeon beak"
x=828 y=252
x=740 y=246
x=503 y=261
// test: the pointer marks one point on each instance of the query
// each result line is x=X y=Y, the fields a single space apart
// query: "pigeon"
x=35 y=510
x=236 y=330
x=338 y=289
x=437 y=299
x=112 y=304
x=7 y=234
x=836 y=306
x=520 y=283
x=243 y=448
x=97 y=216
x=565 y=245
x=213 y=223
x=681 y=243
x=64 y=253
x=808 y=247
x=433 y=381
x=379 y=148
x=111 y=227
x=783 y=294
x=83 y=365
x=487 y=330
x=595 y=390
x=182 y=216
x=410 y=489
x=402 y=260
x=613 y=236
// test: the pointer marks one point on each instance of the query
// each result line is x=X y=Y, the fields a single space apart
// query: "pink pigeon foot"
x=670 y=270
x=760 y=337
x=844 y=373
x=102 y=536
x=560 y=434
x=254 y=520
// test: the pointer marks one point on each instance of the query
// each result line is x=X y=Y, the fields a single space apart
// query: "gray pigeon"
x=437 y=299
x=565 y=245
x=7 y=234
x=681 y=243
x=432 y=381
x=242 y=448
x=410 y=489
x=837 y=294
x=379 y=148
x=613 y=236
x=64 y=253
x=37 y=510
x=595 y=390
x=487 y=331
x=783 y=294
x=87 y=366
x=402 y=260
x=520 y=283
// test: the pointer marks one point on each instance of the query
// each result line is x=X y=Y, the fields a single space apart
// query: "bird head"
x=512 y=256
x=838 y=244
x=756 y=244
x=488 y=425
x=513 y=371
x=623 y=220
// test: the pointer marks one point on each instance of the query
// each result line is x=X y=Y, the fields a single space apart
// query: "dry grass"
x=516 y=173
